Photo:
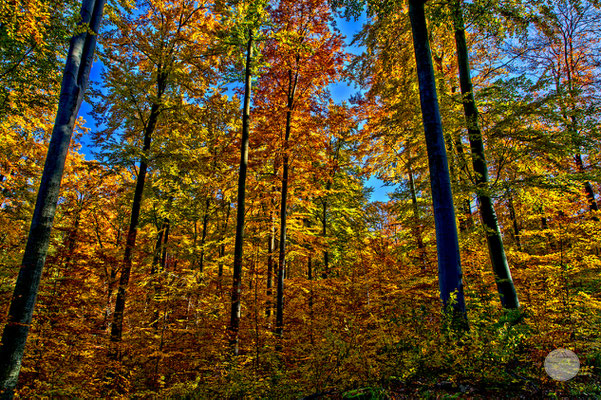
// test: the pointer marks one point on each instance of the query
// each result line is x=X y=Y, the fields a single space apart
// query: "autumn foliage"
x=362 y=315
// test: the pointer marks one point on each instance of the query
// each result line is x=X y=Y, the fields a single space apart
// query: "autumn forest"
x=218 y=221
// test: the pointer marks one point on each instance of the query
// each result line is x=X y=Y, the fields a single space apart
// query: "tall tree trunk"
x=75 y=81
x=324 y=233
x=154 y=269
x=270 y=250
x=203 y=238
x=279 y=315
x=514 y=220
x=239 y=241
x=416 y=218
x=449 y=263
x=467 y=221
x=130 y=244
x=158 y=249
x=164 y=249
x=588 y=188
x=222 y=245
x=509 y=298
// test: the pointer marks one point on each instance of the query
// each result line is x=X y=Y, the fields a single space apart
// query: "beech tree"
x=74 y=84
x=494 y=239
x=253 y=16
x=304 y=59
x=271 y=70
x=158 y=43
x=449 y=264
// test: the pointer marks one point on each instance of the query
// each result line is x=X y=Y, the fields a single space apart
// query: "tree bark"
x=239 y=241
x=505 y=287
x=74 y=83
x=449 y=264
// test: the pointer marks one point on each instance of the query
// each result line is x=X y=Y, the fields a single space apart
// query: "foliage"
x=366 y=322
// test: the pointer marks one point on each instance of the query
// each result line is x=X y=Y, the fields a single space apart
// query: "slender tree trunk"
x=205 y=221
x=449 y=263
x=130 y=244
x=416 y=218
x=514 y=221
x=279 y=315
x=223 y=237
x=158 y=249
x=588 y=188
x=496 y=249
x=164 y=252
x=467 y=221
x=75 y=81
x=324 y=233
x=270 y=250
x=154 y=269
x=239 y=241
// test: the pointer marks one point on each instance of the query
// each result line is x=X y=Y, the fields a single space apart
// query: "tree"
x=449 y=264
x=304 y=59
x=159 y=44
x=75 y=80
x=565 y=51
x=496 y=249
x=253 y=14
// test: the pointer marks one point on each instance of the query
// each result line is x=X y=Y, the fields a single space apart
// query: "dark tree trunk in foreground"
x=509 y=298
x=75 y=81
x=449 y=264
x=279 y=312
x=239 y=242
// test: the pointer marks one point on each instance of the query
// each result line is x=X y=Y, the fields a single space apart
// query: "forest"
x=208 y=228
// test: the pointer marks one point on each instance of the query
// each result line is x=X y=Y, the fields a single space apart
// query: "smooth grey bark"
x=279 y=312
x=75 y=81
x=496 y=250
x=449 y=263
x=239 y=241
